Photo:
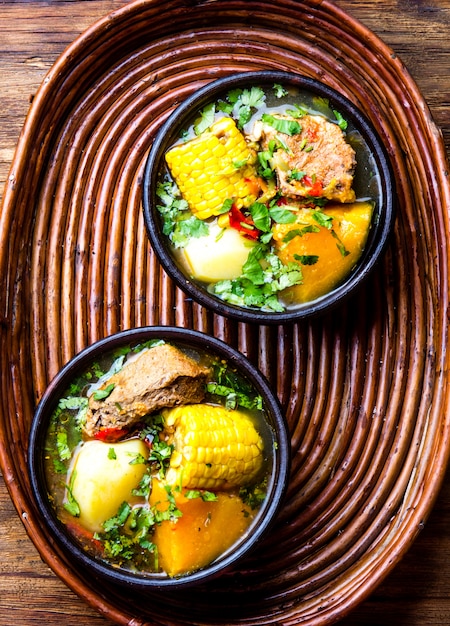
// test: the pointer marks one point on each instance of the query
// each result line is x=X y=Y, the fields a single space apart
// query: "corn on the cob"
x=208 y=170
x=214 y=448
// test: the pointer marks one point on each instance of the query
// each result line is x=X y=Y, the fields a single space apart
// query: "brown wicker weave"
x=365 y=389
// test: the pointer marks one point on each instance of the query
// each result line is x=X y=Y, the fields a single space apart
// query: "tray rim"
x=435 y=135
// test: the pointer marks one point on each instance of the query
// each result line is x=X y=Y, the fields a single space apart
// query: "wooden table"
x=32 y=35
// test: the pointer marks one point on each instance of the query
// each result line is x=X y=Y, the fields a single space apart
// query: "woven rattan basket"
x=365 y=390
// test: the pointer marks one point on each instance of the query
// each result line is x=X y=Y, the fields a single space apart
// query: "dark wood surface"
x=32 y=35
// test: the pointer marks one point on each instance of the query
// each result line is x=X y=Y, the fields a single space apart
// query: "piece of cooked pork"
x=317 y=161
x=162 y=376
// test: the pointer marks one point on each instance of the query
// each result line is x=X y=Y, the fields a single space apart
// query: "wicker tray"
x=365 y=390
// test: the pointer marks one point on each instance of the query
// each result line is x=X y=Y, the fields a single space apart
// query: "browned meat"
x=162 y=376
x=315 y=162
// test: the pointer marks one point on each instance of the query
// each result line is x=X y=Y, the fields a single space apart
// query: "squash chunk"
x=203 y=532
x=338 y=249
x=102 y=477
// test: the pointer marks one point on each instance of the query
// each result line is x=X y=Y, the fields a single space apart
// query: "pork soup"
x=157 y=458
x=268 y=197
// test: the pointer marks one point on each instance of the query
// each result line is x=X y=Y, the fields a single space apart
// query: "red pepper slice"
x=111 y=434
x=242 y=223
x=84 y=536
x=316 y=187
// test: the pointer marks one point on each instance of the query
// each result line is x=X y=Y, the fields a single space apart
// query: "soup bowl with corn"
x=158 y=457
x=268 y=197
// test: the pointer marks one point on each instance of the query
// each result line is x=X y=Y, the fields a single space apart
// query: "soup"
x=158 y=458
x=267 y=199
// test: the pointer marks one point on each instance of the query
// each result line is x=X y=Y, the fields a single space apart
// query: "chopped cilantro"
x=322 y=105
x=74 y=403
x=151 y=343
x=137 y=459
x=342 y=123
x=258 y=286
x=253 y=496
x=296 y=175
x=237 y=391
x=71 y=505
x=226 y=207
x=119 y=519
x=322 y=219
x=206 y=119
x=340 y=246
x=71 y=402
x=306 y=259
x=299 y=232
x=144 y=487
x=233 y=397
x=298 y=111
x=189 y=228
x=58 y=466
x=287 y=127
x=279 y=91
x=192 y=494
x=178 y=222
x=260 y=216
x=238 y=164
x=206 y=496
x=112 y=454
x=282 y=215
x=125 y=537
x=264 y=166
x=160 y=450
x=62 y=446
x=102 y=394
x=245 y=102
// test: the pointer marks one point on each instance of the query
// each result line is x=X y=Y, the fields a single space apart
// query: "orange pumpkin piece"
x=350 y=228
x=203 y=532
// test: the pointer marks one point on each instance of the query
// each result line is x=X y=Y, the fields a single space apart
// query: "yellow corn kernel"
x=205 y=171
x=214 y=448
x=223 y=221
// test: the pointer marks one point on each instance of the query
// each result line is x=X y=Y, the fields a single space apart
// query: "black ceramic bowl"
x=275 y=436
x=373 y=178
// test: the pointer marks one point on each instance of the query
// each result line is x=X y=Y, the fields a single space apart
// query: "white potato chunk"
x=218 y=256
x=101 y=482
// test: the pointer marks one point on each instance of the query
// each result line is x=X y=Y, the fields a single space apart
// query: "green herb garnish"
x=260 y=282
x=178 y=222
x=281 y=215
x=71 y=505
x=279 y=91
x=323 y=219
x=342 y=123
x=206 y=119
x=102 y=394
x=306 y=259
x=299 y=232
x=287 y=127
x=245 y=102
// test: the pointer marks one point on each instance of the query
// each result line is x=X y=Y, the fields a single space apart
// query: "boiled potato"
x=351 y=224
x=218 y=256
x=101 y=482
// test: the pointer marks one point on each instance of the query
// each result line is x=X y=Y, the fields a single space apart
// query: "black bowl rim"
x=381 y=225
x=186 y=337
